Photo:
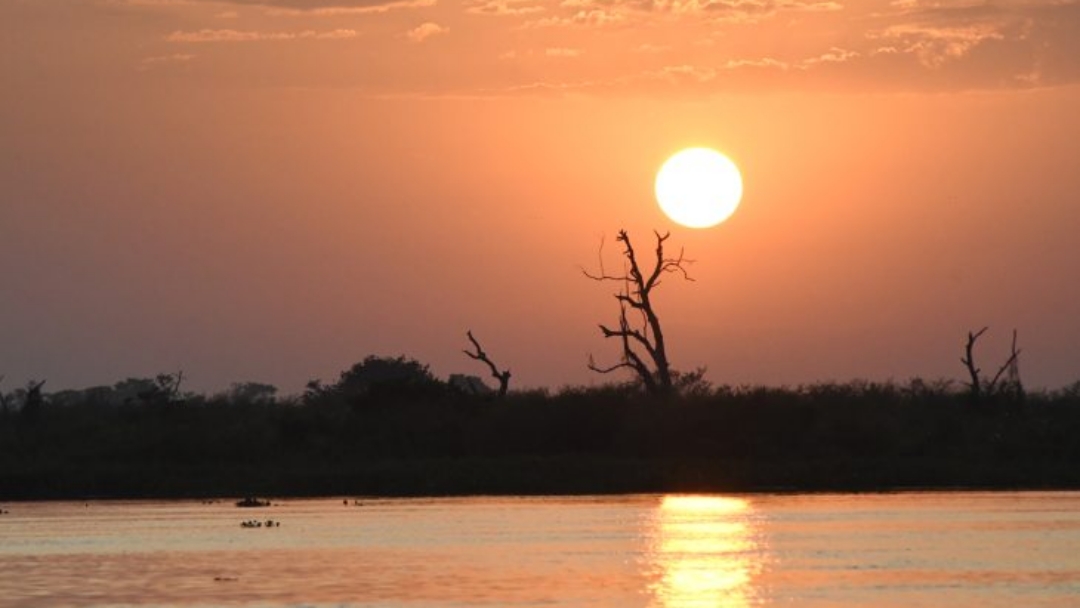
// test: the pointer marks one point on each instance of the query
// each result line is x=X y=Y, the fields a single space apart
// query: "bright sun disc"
x=698 y=187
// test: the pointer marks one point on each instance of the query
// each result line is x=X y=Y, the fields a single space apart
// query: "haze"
x=272 y=190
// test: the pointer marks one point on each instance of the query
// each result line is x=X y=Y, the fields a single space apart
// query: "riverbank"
x=522 y=476
x=856 y=437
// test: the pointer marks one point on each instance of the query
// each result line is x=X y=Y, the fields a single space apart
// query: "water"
x=914 y=549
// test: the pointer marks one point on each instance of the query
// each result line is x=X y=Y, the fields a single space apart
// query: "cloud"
x=1010 y=43
x=594 y=13
x=748 y=10
x=503 y=7
x=736 y=10
x=287 y=8
x=158 y=60
x=760 y=63
x=226 y=35
x=596 y=17
x=297 y=5
x=425 y=30
x=833 y=55
x=936 y=45
x=562 y=52
x=149 y=3
x=284 y=9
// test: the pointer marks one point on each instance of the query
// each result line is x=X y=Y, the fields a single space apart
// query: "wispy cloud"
x=149 y=3
x=595 y=17
x=743 y=10
x=582 y=13
x=365 y=8
x=227 y=35
x=503 y=7
x=299 y=5
x=792 y=44
x=936 y=45
x=425 y=30
x=562 y=52
x=652 y=48
x=159 y=60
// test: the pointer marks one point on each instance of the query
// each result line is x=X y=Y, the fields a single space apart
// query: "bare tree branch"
x=636 y=294
x=969 y=362
x=1014 y=355
x=980 y=386
x=607 y=370
x=502 y=376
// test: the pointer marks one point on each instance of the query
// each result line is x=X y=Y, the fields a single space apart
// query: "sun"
x=698 y=187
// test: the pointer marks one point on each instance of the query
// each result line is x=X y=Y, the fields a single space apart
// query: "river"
x=999 y=549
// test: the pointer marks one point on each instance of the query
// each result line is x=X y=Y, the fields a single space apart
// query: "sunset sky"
x=271 y=190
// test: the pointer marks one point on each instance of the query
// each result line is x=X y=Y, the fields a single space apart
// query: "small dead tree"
x=3 y=400
x=169 y=385
x=643 y=348
x=979 y=386
x=32 y=402
x=163 y=389
x=503 y=377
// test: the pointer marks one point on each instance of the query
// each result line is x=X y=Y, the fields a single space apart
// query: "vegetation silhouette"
x=502 y=376
x=644 y=350
x=390 y=427
x=1005 y=383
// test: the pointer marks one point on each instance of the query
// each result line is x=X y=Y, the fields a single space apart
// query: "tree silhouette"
x=33 y=401
x=979 y=386
x=383 y=377
x=3 y=400
x=252 y=392
x=643 y=348
x=503 y=377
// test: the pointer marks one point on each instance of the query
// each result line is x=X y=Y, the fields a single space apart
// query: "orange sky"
x=271 y=190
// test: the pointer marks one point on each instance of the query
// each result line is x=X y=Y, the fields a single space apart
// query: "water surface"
x=909 y=549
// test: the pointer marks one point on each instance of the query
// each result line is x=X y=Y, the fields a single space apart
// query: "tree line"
x=388 y=425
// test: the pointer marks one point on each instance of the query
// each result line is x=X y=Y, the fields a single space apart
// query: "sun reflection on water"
x=705 y=552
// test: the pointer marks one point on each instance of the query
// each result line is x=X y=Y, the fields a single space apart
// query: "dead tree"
x=643 y=348
x=33 y=401
x=503 y=377
x=164 y=389
x=975 y=384
x=1012 y=381
x=979 y=386
x=171 y=384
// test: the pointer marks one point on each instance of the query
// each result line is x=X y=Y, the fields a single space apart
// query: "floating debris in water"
x=255 y=523
x=251 y=501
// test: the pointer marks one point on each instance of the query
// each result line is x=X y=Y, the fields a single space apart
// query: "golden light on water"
x=705 y=552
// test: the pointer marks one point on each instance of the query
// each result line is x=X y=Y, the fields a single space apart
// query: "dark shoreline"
x=857 y=437
x=566 y=476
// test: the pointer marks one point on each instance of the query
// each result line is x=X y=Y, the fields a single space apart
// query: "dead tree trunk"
x=980 y=387
x=503 y=377
x=1012 y=381
x=3 y=400
x=643 y=348
x=33 y=401
x=975 y=384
